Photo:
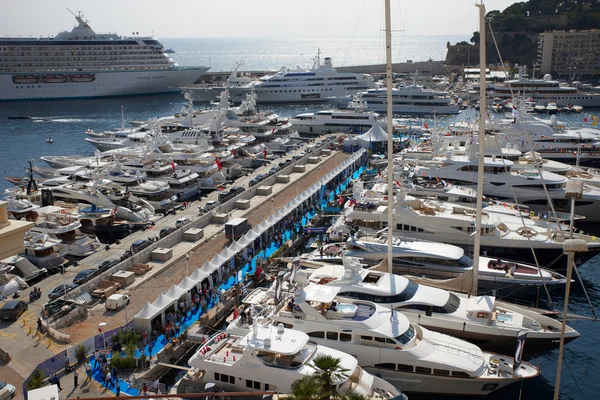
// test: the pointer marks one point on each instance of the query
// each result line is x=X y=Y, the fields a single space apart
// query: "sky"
x=244 y=18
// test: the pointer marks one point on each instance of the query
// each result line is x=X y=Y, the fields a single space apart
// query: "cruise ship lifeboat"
x=25 y=79
x=83 y=78
x=55 y=78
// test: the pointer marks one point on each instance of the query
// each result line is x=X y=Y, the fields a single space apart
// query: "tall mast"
x=480 y=164
x=390 y=131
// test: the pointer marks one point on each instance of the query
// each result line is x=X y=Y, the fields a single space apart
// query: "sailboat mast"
x=480 y=164
x=390 y=131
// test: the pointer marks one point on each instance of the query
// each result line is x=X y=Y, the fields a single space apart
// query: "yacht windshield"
x=465 y=261
x=403 y=296
x=406 y=336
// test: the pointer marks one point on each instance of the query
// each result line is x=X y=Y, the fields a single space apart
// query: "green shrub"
x=36 y=380
x=116 y=360
x=81 y=353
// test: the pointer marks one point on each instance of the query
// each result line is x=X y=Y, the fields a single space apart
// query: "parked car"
x=257 y=179
x=166 y=232
x=107 y=264
x=85 y=275
x=274 y=170
x=140 y=245
x=117 y=301
x=224 y=196
x=12 y=310
x=236 y=190
x=61 y=290
x=182 y=221
x=7 y=391
x=212 y=204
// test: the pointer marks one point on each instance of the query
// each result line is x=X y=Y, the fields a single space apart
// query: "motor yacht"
x=272 y=358
x=492 y=324
x=44 y=251
x=442 y=261
x=385 y=342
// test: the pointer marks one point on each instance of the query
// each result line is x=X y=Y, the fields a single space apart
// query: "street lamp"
x=101 y=326
x=187 y=260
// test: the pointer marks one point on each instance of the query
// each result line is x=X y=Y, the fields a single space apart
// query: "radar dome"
x=547 y=77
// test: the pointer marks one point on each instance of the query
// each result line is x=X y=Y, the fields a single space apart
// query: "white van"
x=117 y=301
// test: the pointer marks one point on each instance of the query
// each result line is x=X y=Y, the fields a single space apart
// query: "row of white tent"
x=183 y=290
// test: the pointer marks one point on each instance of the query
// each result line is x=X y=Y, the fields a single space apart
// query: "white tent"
x=187 y=283
x=163 y=302
x=143 y=319
x=199 y=275
x=176 y=292
x=374 y=135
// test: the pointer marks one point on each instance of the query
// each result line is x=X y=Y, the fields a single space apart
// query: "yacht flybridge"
x=272 y=358
x=385 y=342
x=492 y=324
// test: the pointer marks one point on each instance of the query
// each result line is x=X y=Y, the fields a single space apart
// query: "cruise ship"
x=546 y=90
x=304 y=85
x=83 y=63
x=410 y=99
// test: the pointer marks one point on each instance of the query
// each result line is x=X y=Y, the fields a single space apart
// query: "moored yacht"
x=386 y=343
x=270 y=358
x=492 y=324
x=44 y=251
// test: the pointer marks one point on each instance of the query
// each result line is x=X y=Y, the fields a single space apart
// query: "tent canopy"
x=163 y=301
x=176 y=292
x=187 y=283
x=374 y=135
x=148 y=312
x=199 y=275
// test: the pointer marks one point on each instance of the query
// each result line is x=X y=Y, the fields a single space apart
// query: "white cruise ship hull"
x=105 y=84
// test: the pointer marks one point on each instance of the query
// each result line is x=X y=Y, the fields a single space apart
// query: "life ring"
x=63 y=211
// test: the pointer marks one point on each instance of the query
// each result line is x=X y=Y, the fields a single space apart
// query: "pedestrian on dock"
x=40 y=328
x=177 y=327
x=88 y=371
x=108 y=379
x=118 y=390
x=75 y=377
x=145 y=389
x=145 y=337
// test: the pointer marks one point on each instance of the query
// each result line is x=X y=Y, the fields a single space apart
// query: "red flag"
x=264 y=153
x=426 y=126
x=219 y=165
x=173 y=165
x=398 y=183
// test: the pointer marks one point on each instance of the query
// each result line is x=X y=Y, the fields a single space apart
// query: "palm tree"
x=306 y=388
x=328 y=371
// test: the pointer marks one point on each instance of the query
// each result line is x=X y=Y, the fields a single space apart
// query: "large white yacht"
x=385 y=342
x=410 y=99
x=546 y=91
x=441 y=261
x=490 y=323
x=527 y=185
x=438 y=221
x=44 y=251
x=83 y=63
x=272 y=358
x=304 y=85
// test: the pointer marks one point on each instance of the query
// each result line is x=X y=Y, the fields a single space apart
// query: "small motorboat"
x=49 y=140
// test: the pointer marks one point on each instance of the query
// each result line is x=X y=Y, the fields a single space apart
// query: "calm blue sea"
x=21 y=140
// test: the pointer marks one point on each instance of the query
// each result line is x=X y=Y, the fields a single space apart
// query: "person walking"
x=155 y=385
x=118 y=390
x=108 y=379
x=40 y=327
x=75 y=377
x=56 y=381
x=97 y=358
x=88 y=371
x=115 y=371
x=104 y=377
x=145 y=389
